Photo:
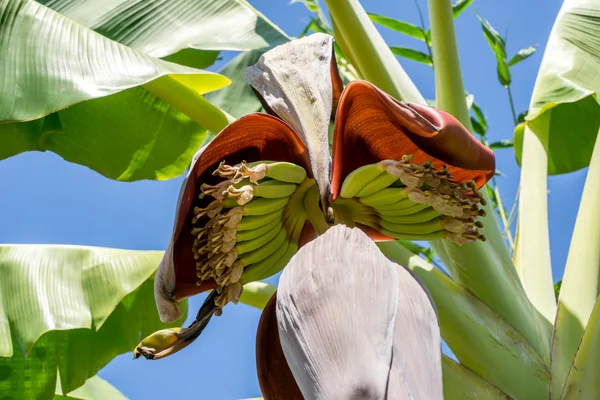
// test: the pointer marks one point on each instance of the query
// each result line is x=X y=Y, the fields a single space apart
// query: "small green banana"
x=357 y=179
x=419 y=217
x=381 y=182
x=265 y=251
x=271 y=189
x=257 y=243
x=314 y=213
x=260 y=206
x=242 y=236
x=256 y=272
x=254 y=222
x=384 y=197
x=279 y=170
x=292 y=248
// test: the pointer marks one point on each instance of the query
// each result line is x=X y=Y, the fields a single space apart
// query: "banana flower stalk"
x=268 y=184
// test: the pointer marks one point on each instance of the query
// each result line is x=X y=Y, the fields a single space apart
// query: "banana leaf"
x=564 y=113
x=70 y=310
x=72 y=91
x=160 y=28
x=94 y=388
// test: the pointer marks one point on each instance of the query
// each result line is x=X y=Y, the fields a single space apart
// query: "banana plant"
x=500 y=322
x=268 y=186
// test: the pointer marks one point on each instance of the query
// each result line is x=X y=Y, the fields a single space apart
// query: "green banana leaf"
x=564 y=113
x=160 y=28
x=94 y=388
x=411 y=54
x=51 y=62
x=86 y=103
x=70 y=309
x=237 y=99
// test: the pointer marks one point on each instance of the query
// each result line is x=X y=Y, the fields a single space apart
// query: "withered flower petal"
x=298 y=81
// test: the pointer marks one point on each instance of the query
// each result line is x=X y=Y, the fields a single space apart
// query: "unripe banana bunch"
x=409 y=201
x=252 y=228
x=268 y=184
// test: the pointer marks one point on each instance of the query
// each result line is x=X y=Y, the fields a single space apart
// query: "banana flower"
x=270 y=183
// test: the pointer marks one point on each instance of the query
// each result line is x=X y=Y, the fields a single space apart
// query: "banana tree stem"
x=512 y=105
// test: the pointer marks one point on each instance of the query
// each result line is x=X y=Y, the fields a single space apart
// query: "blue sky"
x=47 y=200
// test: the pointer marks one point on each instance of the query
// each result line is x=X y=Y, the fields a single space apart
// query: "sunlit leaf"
x=70 y=309
x=502 y=144
x=237 y=99
x=459 y=6
x=480 y=116
x=564 y=113
x=477 y=127
x=194 y=58
x=398 y=26
x=94 y=388
x=122 y=130
x=72 y=65
x=518 y=141
x=577 y=326
x=160 y=28
x=521 y=55
x=128 y=136
x=522 y=116
x=557 y=286
x=498 y=46
x=412 y=55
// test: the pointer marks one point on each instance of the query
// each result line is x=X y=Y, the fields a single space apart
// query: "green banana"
x=258 y=271
x=257 y=243
x=270 y=188
x=384 y=197
x=260 y=206
x=255 y=233
x=357 y=179
x=274 y=189
x=282 y=171
x=265 y=251
x=422 y=228
x=292 y=249
x=416 y=218
x=313 y=212
x=254 y=222
x=403 y=207
x=368 y=220
x=381 y=182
